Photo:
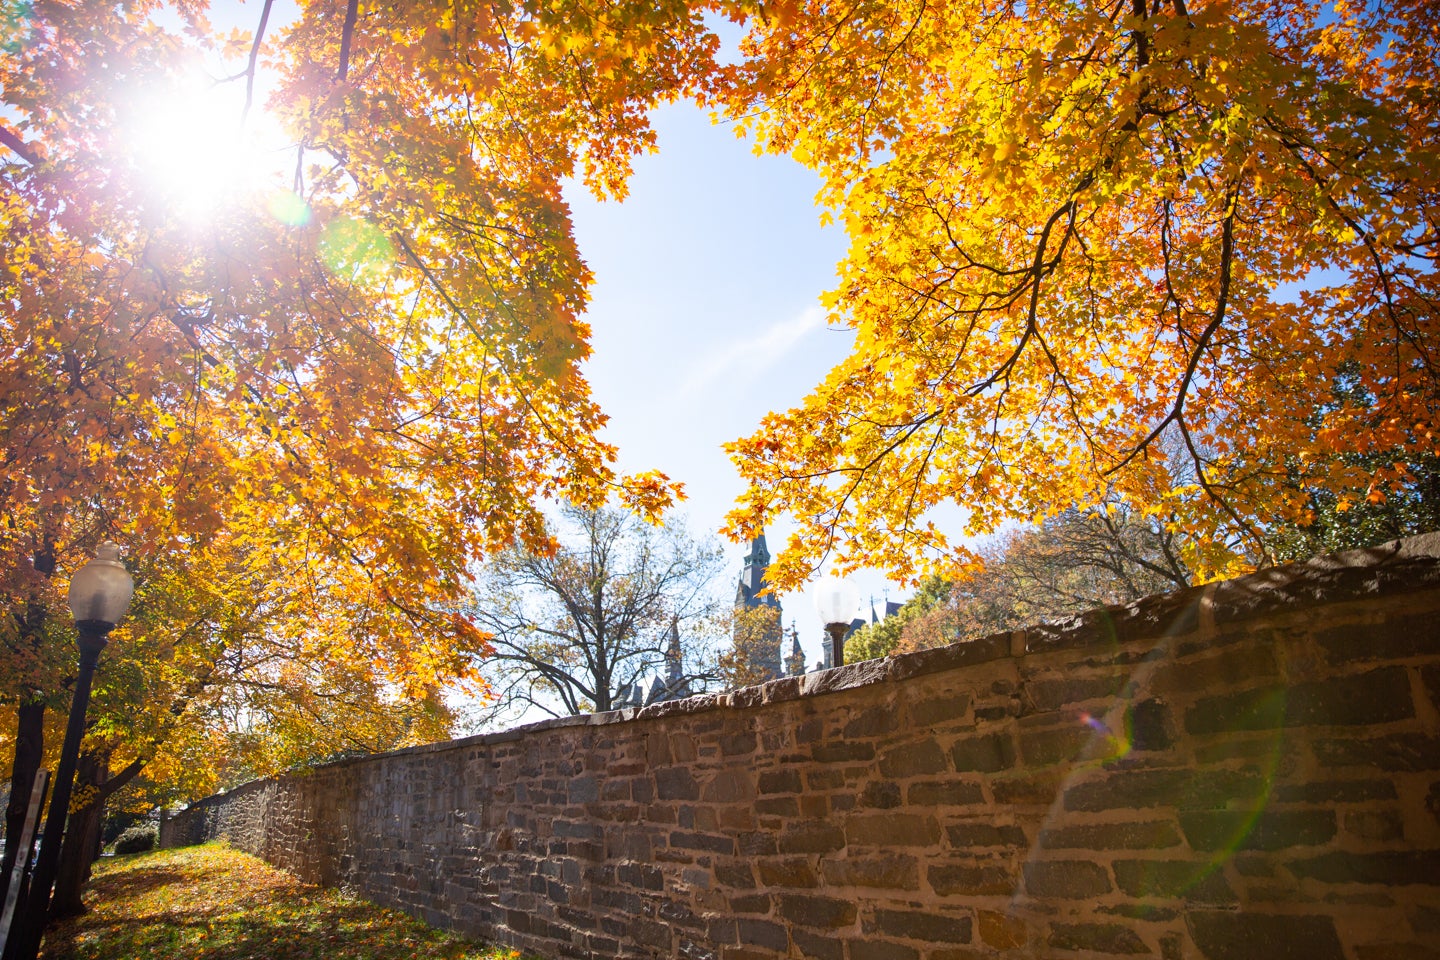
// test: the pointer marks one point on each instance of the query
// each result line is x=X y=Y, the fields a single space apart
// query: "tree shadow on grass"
x=229 y=910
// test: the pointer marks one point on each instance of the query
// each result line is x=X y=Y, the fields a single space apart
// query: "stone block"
x=1055 y=745
x=780 y=781
x=737 y=875
x=1000 y=930
x=871 y=722
x=821 y=912
x=1388 y=867
x=917 y=925
x=945 y=793
x=880 y=795
x=715 y=843
x=1247 y=936
x=738 y=744
x=1335 y=791
x=1173 y=879
x=1148 y=723
x=1379 y=696
x=1165 y=788
x=1396 y=637
x=843 y=752
x=1066 y=879
x=1398 y=752
x=938 y=710
x=812 y=836
x=912 y=760
x=778 y=807
x=818 y=946
x=789 y=872
x=1096 y=937
x=972 y=880
x=762 y=933
x=980 y=833
x=1209 y=830
x=1045 y=695
x=893 y=830
x=676 y=783
x=728 y=786
x=880 y=950
x=1145 y=835
x=984 y=754
x=758 y=903
x=1035 y=789
x=892 y=872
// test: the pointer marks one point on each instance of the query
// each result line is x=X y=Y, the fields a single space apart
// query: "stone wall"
x=1250 y=769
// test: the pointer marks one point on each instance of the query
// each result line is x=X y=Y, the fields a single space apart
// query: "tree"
x=371 y=390
x=574 y=628
x=1077 y=227
x=756 y=640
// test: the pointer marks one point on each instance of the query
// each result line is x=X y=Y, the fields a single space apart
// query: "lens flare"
x=357 y=249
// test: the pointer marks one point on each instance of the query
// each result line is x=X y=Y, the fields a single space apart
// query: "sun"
x=195 y=147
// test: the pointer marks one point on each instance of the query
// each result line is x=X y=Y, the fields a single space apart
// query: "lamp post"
x=100 y=595
x=835 y=600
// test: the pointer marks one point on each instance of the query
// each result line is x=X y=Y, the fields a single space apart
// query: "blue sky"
x=706 y=313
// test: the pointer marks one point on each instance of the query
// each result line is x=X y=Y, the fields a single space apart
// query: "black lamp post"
x=835 y=601
x=100 y=595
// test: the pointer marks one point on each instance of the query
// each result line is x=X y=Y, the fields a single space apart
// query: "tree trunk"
x=29 y=750
x=29 y=725
x=78 y=851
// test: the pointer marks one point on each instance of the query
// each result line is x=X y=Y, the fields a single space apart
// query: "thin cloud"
x=744 y=360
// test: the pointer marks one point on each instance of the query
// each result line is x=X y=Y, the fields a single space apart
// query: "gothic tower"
x=748 y=594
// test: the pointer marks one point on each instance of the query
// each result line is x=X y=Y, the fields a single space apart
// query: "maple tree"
x=757 y=641
x=1077 y=227
x=369 y=379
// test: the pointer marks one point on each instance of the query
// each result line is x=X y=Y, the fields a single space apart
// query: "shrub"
x=137 y=839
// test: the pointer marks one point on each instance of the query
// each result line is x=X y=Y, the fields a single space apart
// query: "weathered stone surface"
x=880 y=950
x=1379 y=696
x=823 y=912
x=892 y=830
x=1394 y=638
x=972 y=880
x=885 y=871
x=1386 y=867
x=982 y=834
x=1099 y=937
x=1249 y=936
x=1165 y=788
x=1171 y=879
x=763 y=933
x=927 y=713
x=1266 y=830
x=814 y=836
x=1001 y=931
x=1147 y=835
x=1396 y=752
x=1336 y=791
x=916 y=925
x=912 y=760
x=984 y=754
x=945 y=793
x=789 y=872
x=1066 y=879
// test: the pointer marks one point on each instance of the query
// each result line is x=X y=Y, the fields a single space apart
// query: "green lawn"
x=214 y=903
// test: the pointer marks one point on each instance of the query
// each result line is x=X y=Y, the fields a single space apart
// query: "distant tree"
x=574 y=628
x=1071 y=562
x=756 y=635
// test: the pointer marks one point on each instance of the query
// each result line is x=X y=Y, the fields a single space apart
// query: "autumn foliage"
x=1180 y=256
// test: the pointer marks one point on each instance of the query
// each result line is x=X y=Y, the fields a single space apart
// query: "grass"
x=214 y=903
